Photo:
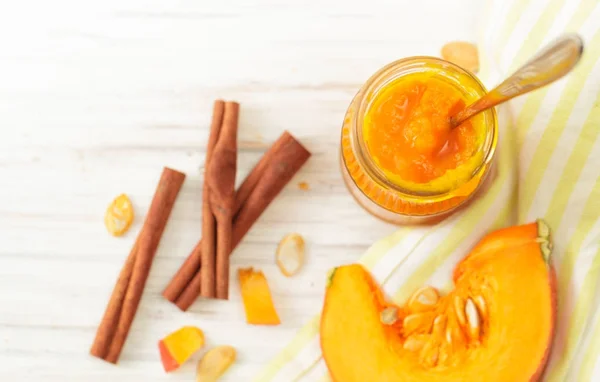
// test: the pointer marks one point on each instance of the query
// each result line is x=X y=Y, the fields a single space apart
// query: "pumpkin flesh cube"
x=256 y=296
x=177 y=347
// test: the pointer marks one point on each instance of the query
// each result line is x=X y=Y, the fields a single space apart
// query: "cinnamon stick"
x=188 y=270
x=207 y=283
x=281 y=167
x=221 y=182
x=126 y=296
x=180 y=289
x=205 y=280
x=191 y=266
x=108 y=326
x=190 y=292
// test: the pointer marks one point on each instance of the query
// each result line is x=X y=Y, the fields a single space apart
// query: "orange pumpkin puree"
x=408 y=136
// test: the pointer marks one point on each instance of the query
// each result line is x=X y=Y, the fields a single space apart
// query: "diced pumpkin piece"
x=256 y=295
x=497 y=324
x=169 y=363
x=176 y=348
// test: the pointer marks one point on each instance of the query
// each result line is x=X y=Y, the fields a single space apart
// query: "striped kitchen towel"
x=548 y=167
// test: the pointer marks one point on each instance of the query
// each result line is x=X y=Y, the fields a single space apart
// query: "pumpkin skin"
x=497 y=324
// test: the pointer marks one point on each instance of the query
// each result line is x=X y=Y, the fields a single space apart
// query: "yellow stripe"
x=307 y=369
x=504 y=217
x=487 y=12
x=537 y=34
x=485 y=63
x=591 y=357
x=558 y=122
x=531 y=108
x=574 y=166
x=533 y=102
x=558 y=370
x=589 y=217
x=381 y=247
x=304 y=336
x=512 y=18
x=484 y=54
x=430 y=232
x=582 y=315
x=584 y=9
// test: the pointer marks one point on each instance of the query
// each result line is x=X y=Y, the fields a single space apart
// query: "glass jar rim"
x=386 y=75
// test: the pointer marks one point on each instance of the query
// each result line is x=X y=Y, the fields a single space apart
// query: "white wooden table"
x=96 y=97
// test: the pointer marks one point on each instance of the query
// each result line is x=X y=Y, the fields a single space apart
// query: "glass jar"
x=403 y=204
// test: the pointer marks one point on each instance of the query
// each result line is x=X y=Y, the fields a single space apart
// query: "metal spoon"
x=547 y=66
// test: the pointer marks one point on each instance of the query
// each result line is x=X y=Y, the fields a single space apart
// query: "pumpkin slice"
x=496 y=325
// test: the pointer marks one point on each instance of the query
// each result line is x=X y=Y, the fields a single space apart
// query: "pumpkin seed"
x=429 y=354
x=290 y=254
x=215 y=363
x=423 y=299
x=439 y=325
x=417 y=323
x=389 y=315
x=473 y=318
x=416 y=342
x=481 y=306
x=459 y=309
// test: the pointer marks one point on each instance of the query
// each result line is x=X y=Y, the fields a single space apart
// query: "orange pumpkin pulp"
x=407 y=130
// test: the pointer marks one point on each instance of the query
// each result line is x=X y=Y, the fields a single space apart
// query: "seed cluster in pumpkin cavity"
x=495 y=325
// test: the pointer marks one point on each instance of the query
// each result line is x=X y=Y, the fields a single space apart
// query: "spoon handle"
x=547 y=66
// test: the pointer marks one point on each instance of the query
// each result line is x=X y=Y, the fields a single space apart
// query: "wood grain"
x=97 y=97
